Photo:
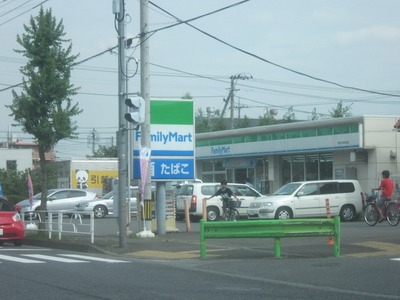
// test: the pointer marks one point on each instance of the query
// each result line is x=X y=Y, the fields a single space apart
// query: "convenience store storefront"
x=342 y=148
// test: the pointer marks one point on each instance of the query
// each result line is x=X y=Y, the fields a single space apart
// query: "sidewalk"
x=174 y=245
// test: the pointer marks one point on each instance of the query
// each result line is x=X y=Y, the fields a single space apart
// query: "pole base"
x=145 y=233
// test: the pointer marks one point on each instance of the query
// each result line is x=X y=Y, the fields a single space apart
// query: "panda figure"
x=82 y=177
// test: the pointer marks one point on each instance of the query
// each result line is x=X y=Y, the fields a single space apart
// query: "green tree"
x=341 y=111
x=15 y=186
x=218 y=125
x=187 y=96
x=243 y=123
x=44 y=108
x=202 y=122
x=314 y=115
x=106 y=151
x=289 y=116
x=266 y=119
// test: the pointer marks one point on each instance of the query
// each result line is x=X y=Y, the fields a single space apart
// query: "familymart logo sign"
x=172 y=140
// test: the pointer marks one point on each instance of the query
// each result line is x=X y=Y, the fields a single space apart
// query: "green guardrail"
x=275 y=229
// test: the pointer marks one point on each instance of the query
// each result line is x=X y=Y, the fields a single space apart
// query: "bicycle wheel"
x=233 y=215
x=371 y=214
x=392 y=214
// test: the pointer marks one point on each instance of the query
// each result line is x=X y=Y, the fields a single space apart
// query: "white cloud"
x=370 y=34
x=330 y=14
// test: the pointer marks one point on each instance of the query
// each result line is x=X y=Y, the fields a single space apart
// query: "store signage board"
x=172 y=141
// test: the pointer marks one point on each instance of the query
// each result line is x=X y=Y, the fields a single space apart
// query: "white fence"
x=60 y=222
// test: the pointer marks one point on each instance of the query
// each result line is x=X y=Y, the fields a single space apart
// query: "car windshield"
x=287 y=189
x=108 y=195
x=5 y=205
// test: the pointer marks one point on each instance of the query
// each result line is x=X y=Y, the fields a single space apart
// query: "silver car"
x=104 y=205
x=57 y=199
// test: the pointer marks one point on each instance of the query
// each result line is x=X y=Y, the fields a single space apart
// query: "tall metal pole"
x=122 y=129
x=145 y=94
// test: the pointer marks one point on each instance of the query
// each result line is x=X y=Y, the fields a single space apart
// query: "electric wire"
x=275 y=64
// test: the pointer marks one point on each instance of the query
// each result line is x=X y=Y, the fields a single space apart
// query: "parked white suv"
x=195 y=192
x=308 y=199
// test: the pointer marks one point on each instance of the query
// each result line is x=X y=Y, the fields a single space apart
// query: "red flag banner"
x=145 y=154
x=30 y=189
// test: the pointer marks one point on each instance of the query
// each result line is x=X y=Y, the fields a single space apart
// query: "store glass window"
x=298 y=169
x=207 y=166
x=325 y=166
x=312 y=161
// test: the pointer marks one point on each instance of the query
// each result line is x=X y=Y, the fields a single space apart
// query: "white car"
x=104 y=205
x=195 y=192
x=57 y=199
x=307 y=199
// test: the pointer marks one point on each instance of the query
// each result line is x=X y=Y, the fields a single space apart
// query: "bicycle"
x=390 y=211
x=231 y=213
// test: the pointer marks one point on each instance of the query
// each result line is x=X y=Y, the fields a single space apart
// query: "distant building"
x=19 y=155
x=339 y=148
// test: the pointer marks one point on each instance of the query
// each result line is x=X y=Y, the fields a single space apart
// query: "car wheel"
x=212 y=213
x=347 y=213
x=100 y=211
x=18 y=243
x=284 y=213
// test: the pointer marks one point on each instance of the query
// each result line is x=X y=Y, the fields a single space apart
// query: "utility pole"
x=145 y=94
x=119 y=10
x=231 y=96
x=93 y=137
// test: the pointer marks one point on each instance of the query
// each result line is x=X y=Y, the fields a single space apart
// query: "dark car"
x=11 y=226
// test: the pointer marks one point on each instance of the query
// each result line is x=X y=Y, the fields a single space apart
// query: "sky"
x=301 y=54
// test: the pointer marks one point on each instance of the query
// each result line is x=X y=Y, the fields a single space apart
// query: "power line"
x=24 y=12
x=275 y=64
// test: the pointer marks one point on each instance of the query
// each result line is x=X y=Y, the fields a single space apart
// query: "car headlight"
x=267 y=204
x=16 y=217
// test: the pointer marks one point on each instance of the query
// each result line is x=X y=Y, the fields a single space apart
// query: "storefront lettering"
x=174 y=168
x=220 y=150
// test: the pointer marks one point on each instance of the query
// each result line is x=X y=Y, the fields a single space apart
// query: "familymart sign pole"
x=172 y=146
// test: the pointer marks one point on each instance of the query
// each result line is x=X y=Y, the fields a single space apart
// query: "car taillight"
x=193 y=201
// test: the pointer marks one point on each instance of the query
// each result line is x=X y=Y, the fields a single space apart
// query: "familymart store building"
x=270 y=156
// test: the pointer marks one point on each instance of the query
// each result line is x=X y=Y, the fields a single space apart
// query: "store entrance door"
x=240 y=175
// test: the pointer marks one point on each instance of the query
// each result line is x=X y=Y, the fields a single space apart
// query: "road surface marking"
x=94 y=258
x=54 y=258
x=20 y=259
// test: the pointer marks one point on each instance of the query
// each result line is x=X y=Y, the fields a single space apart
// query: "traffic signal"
x=136 y=116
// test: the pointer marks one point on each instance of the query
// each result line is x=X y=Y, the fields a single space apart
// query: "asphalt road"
x=369 y=268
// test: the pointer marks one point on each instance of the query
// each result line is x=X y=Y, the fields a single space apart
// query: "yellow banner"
x=83 y=179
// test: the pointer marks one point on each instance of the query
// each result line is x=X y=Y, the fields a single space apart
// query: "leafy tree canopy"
x=289 y=116
x=44 y=107
x=106 y=151
x=341 y=111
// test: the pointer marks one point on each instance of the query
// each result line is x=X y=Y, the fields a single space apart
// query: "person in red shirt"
x=386 y=187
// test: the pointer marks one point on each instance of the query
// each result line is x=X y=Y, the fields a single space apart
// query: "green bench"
x=275 y=229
